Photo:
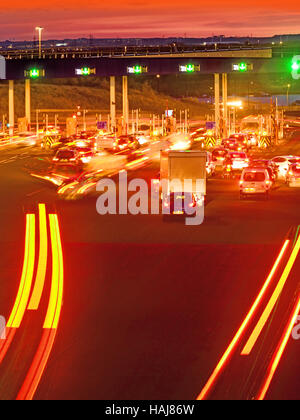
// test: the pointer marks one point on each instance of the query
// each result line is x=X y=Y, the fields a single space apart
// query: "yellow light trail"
x=21 y=302
x=278 y=354
x=270 y=306
x=41 y=357
x=55 y=301
x=84 y=188
x=209 y=384
x=42 y=263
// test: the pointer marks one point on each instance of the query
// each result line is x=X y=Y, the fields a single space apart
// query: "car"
x=231 y=144
x=85 y=154
x=283 y=163
x=219 y=156
x=293 y=175
x=243 y=139
x=237 y=160
x=267 y=164
x=67 y=156
x=198 y=134
x=125 y=144
x=255 y=181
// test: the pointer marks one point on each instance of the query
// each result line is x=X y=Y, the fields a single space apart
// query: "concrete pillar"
x=27 y=101
x=125 y=102
x=113 y=103
x=11 y=107
x=217 y=103
x=224 y=95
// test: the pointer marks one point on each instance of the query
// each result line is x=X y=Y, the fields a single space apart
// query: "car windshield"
x=84 y=150
x=123 y=141
x=254 y=177
x=219 y=153
x=259 y=163
x=296 y=170
x=65 y=154
x=238 y=155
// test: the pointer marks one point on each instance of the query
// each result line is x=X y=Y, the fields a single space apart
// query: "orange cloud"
x=74 y=18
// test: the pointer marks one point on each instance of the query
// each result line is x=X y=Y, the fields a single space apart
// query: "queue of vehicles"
x=232 y=159
x=257 y=176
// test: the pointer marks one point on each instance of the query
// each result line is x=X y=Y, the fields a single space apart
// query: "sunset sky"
x=138 y=18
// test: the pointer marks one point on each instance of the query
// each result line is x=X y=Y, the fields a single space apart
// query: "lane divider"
x=229 y=351
x=272 y=302
x=41 y=357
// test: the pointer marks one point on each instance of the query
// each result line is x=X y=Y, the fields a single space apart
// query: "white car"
x=293 y=175
x=283 y=164
x=255 y=181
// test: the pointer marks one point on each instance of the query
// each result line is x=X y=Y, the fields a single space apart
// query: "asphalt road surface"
x=148 y=307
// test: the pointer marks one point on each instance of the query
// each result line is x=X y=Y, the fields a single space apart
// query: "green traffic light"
x=295 y=66
x=242 y=66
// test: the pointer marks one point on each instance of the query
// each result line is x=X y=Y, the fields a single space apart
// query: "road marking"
x=41 y=357
x=42 y=263
x=211 y=381
x=272 y=302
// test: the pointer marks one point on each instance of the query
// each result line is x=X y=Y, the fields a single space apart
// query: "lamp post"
x=287 y=95
x=39 y=29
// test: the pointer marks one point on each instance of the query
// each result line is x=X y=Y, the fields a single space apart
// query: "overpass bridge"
x=66 y=63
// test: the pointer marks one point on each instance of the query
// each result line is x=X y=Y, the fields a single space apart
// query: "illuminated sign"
x=137 y=69
x=34 y=73
x=169 y=113
x=189 y=68
x=85 y=71
x=242 y=67
x=295 y=66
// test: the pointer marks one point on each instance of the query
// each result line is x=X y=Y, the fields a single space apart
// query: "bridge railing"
x=127 y=51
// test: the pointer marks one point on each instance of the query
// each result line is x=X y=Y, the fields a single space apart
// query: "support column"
x=217 y=103
x=11 y=107
x=125 y=102
x=27 y=101
x=224 y=95
x=113 y=103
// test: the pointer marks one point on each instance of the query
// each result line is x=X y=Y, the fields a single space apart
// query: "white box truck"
x=183 y=181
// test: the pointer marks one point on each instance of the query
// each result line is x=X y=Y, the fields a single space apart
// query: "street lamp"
x=287 y=95
x=39 y=29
